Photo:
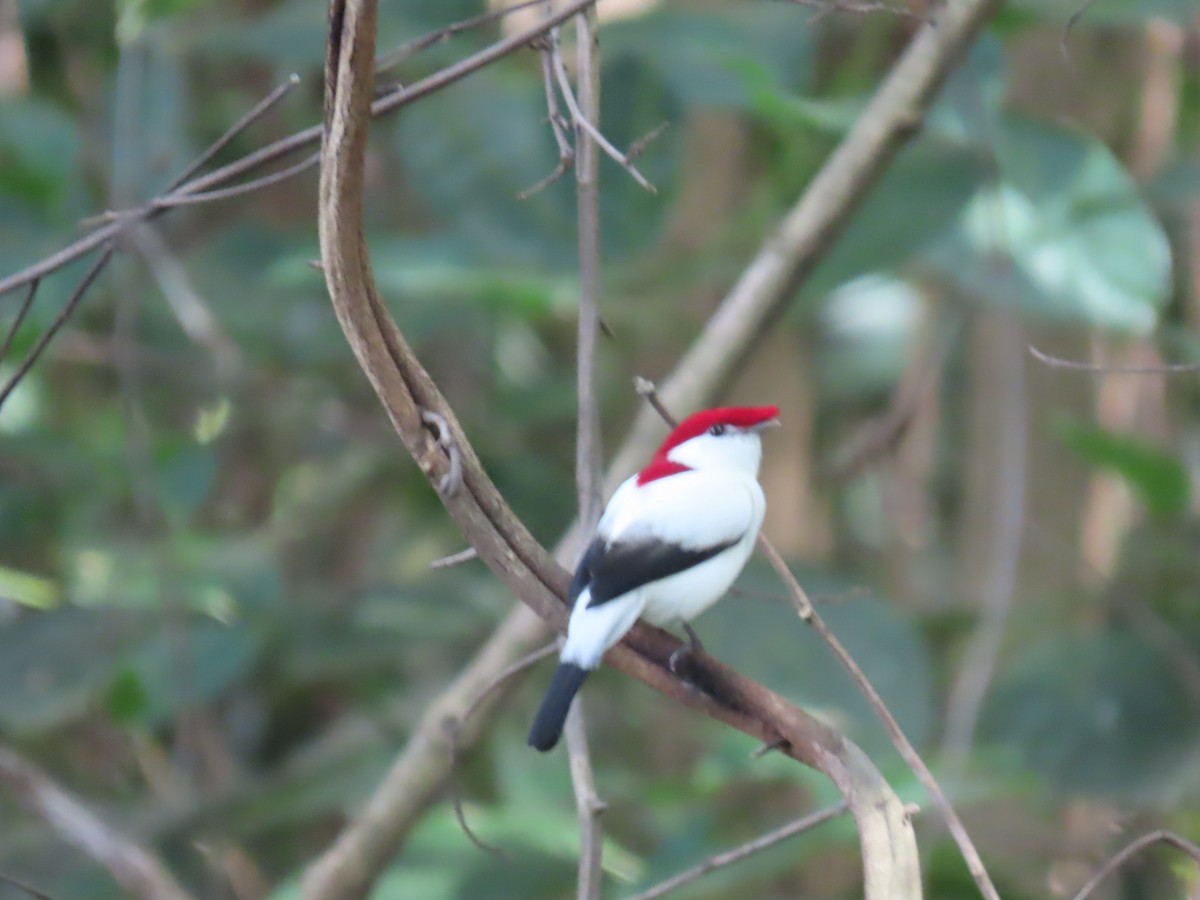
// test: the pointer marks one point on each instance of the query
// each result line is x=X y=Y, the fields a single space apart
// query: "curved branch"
x=405 y=389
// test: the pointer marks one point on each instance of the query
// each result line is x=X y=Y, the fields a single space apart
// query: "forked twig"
x=11 y=335
x=65 y=313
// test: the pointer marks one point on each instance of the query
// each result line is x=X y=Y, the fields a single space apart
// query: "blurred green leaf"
x=52 y=665
x=1159 y=479
x=1103 y=713
x=1065 y=234
x=39 y=152
x=28 y=590
x=193 y=666
x=126 y=700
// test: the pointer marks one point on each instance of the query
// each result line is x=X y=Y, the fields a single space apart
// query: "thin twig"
x=588 y=450
x=238 y=190
x=256 y=112
x=203 y=184
x=994 y=583
x=582 y=122
x=882 y=434
x=858 y=7
x=588 y=805
x=65 y=313
x=24 y=886
x=189 y=308
x=1119 y=859
x=133 y=867
x=369 y=842
x=1057 y=362
x=958 y=831
x=455 y=726
x=454 y=559
x=805 y=609
x=393 y=58
x=566 y=153
x=11 y=335
x=737 y=854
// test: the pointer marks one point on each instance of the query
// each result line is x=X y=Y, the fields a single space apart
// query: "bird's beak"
x=763 y=426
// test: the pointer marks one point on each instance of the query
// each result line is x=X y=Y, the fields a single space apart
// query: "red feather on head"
x=694 y=426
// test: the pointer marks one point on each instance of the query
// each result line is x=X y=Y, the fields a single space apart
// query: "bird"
x=669 y=544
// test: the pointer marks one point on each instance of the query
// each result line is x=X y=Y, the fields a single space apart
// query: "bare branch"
x=583 y=123
x=204 y=184
x=566 y=153
x=404 y=388
x=11 y=334
x=958 y=831
x=256 y=112
x=994 y=587
x=587 y=803
x=767 y=285
x=860 y=7
x=588 y=450
x=1137 y=846
x=133 y=867
x=455 y=559
x=238 y=190
x=65 y=313
x=24 y=886
x=393 y=58
x=737 y=854
x=1056 y=362
x=190 y=309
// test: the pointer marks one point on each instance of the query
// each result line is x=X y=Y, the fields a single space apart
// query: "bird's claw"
x=452 y=480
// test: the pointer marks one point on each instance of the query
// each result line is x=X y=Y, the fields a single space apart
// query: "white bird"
x=670 y=543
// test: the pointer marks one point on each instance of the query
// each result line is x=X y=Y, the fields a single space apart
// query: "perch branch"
x=759 y=296
x=368 y=843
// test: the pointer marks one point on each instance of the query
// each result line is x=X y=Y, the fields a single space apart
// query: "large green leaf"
x=1104 y=713
x=1064 y=233
x=1158 y=478
x=918 y=201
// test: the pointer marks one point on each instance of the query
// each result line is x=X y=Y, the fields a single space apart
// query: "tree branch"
x=133 y=867
x=405 y=389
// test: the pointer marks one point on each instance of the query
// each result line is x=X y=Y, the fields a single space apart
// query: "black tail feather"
x=548 y=723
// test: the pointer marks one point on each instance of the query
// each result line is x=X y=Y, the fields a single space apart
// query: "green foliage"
x=1104 y=713
x=261 y=562
x=1160 y=480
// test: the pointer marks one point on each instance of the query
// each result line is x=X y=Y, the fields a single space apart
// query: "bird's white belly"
x=682 y=597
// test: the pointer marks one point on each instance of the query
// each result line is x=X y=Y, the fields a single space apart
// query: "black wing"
x=611 y=570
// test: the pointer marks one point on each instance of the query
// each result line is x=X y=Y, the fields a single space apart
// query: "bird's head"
x=724 y=438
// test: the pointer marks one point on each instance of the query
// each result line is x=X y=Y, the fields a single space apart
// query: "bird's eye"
x=717 y=430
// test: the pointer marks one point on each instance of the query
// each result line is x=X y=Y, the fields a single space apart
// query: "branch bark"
x=133 y=867
x=890 y=861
